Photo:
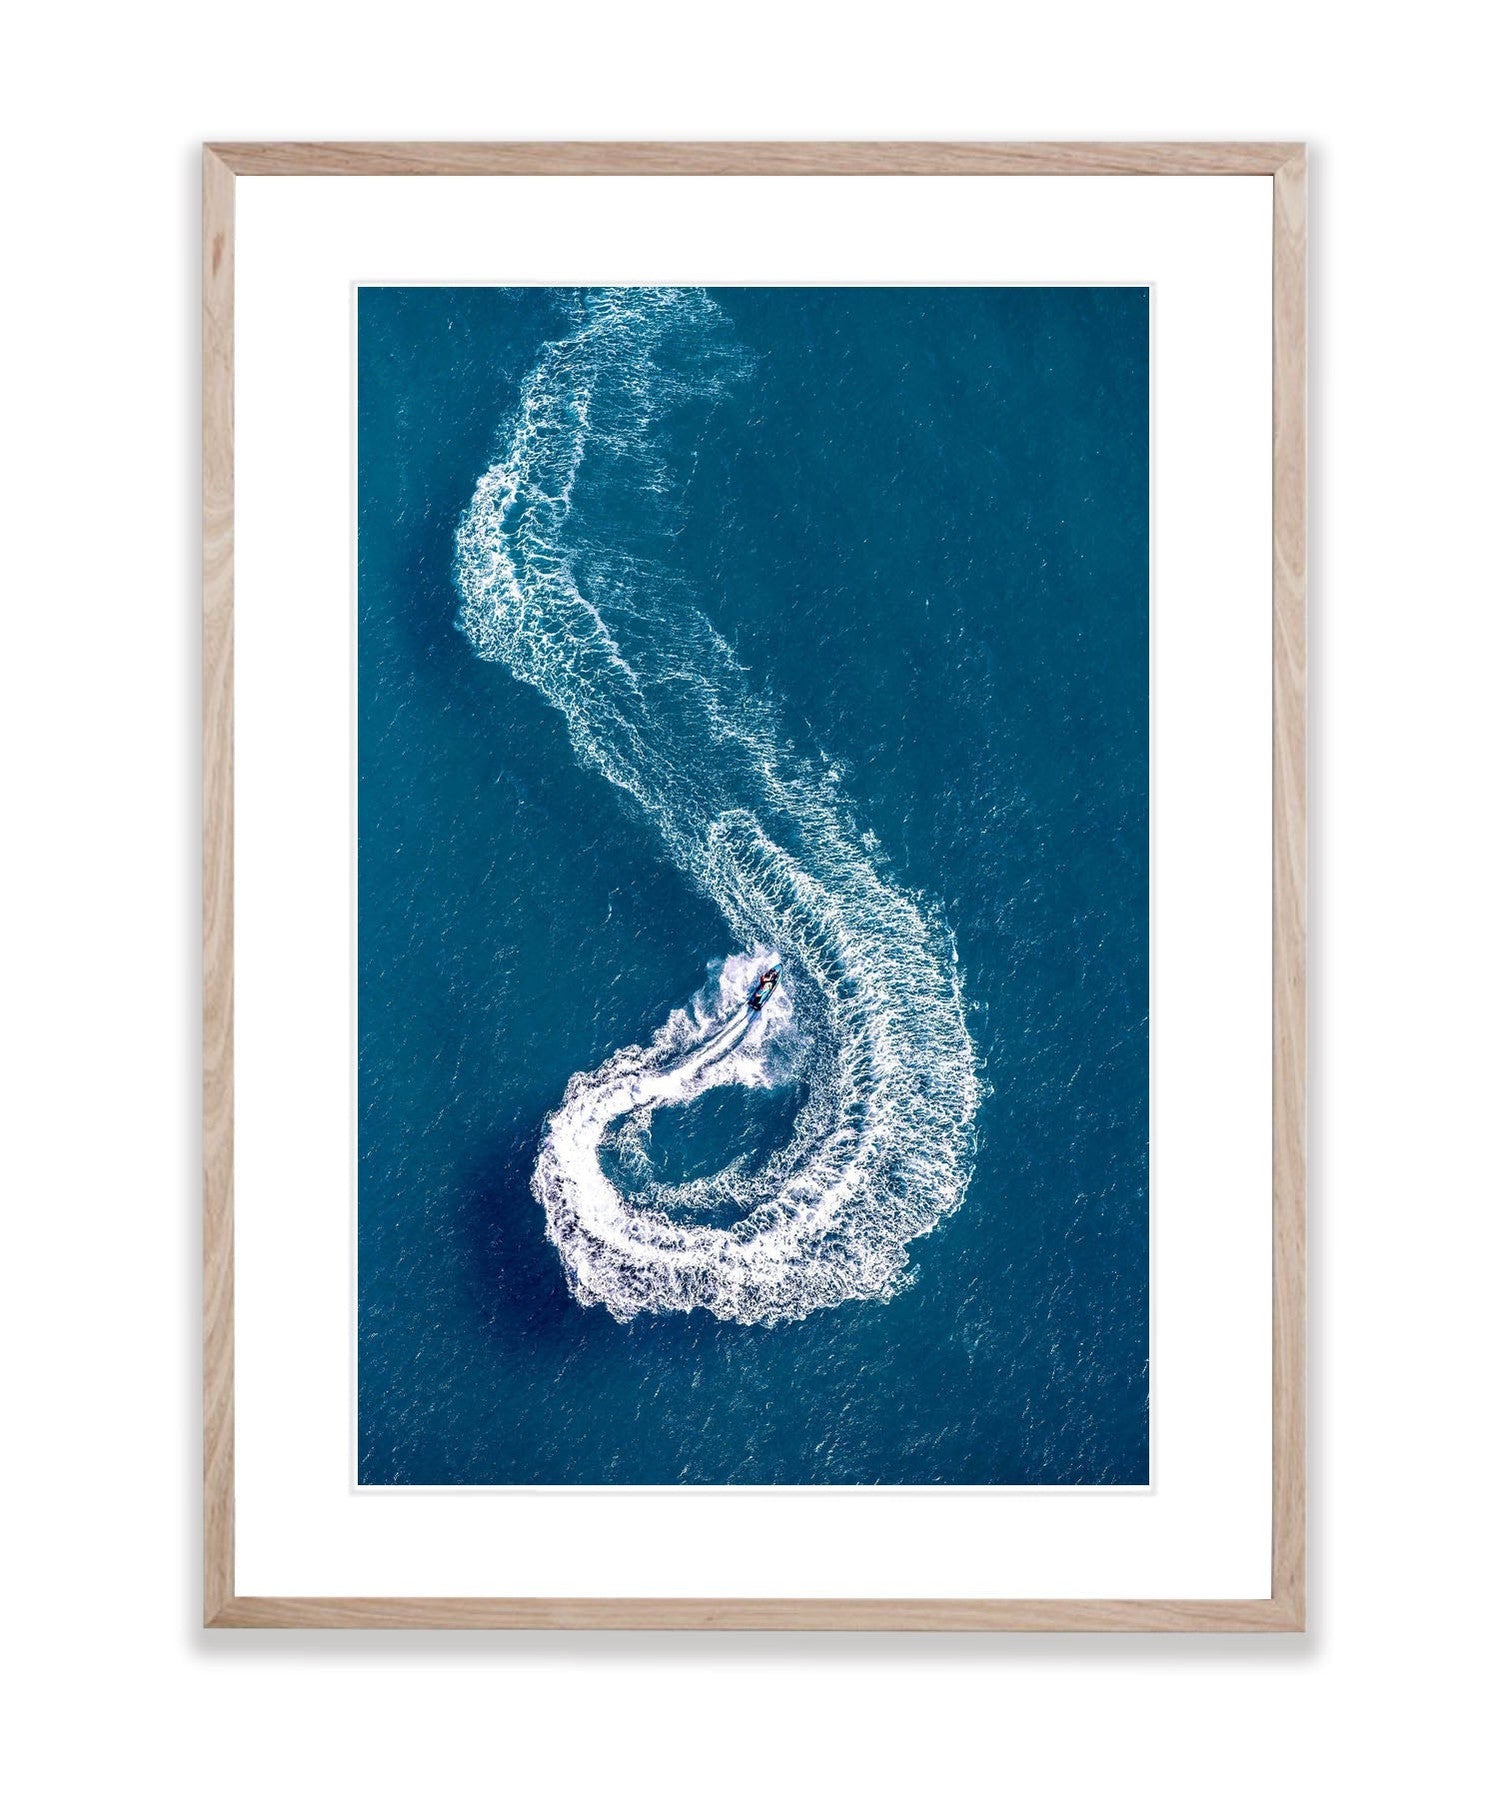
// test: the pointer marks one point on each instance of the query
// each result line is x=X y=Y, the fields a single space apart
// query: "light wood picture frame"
x=1285 y=1609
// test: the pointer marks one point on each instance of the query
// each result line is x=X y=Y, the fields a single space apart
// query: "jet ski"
x=764 y=987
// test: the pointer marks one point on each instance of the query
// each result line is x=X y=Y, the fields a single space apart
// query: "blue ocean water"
x=698 y=634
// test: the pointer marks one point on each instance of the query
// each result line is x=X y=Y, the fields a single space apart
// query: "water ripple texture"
x=868 y=1018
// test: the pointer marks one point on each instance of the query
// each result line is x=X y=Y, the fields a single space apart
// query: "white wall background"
x=111 y=1679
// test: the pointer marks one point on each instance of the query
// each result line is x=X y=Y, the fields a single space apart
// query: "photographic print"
x=753 y=886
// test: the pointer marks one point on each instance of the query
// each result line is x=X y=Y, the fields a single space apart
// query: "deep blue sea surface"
x=705 y=634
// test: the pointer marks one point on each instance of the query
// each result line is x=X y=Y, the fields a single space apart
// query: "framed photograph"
x=754 y=886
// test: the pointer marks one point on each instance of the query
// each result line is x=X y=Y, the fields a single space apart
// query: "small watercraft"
x=764 y=987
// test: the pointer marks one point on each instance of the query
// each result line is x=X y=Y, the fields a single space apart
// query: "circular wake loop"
x=882 y=1145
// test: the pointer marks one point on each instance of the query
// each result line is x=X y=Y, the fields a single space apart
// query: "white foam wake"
x=653 y=699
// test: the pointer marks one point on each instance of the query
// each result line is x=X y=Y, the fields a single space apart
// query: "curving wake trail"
x=869 y=1016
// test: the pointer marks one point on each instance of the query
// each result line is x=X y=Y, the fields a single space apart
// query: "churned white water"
x=868 y=1018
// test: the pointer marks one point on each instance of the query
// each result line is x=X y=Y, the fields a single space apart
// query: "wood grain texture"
x=1112 y=1615
x=754 y=159
x=218 y=885
x=1285 y=1609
